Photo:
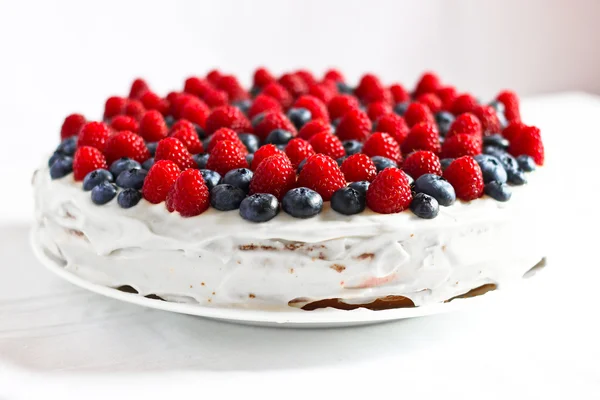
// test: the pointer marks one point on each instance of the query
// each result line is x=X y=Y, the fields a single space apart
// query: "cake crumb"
x=214 y=293
x=291 y=270
x=238 y=261
x=202 y=283
x=366 y=256
x=209 y=300
x=191 y=287
x=251 y=295
x=251 y=247
x=444 y=248
x=341 y=283
x=337 y=267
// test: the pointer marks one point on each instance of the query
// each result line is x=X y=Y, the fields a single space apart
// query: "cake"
x=301 y=193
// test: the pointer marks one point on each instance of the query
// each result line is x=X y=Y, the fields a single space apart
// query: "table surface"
x=544 y=341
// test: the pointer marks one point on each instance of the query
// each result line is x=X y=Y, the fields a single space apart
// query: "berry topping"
x=491 y=168
x=159 y=180
x=225 y=156
x=215 y=98
x=317 y=108
x=152 y=101
x=526 y=163
x=299 y=116
x=114 y=106
x=465 y=123
x=297 y=150
x=123 y=164
x=294 y=84
x=132 y=179
x=279 y=137
x=422 y=162
x=262 y=77
x=417 y=113
x=382 y=163
x=528 y=141
x=239 y=178
x=512 y=130
x=436 y=187
x=399 y=93
x=496 y=140
x=352 y=147
x=126 y=144
x=152 y=126
x=328 y=144
x=511 y=105
x=428 y=83
x=190 y=139
x=225 y=134
x=423 y=136
x=67 y=147
x=211 y=178
x=103 y=193
x=61 y=167
x=72 y=125
x=461 y=144
x=358 y=167
x=378 y=109
x=94 y=178
x=249 y=141
x=87 y=159
x=134 y=108
x=138 y=88
x=128 y=198
x=334 y=75
x=189 y=195
x=94 y=134
x=263 y=103
x=424 y=206
x=274 y=175
x=195 y=112
x=225 y=197
x=172 y=149
x=270 y=121
x=260 y=207
x=444 y=121
x=465 y=176
x=227 y=117
x=322 y=92
x=313 y=127
x=488 y=117
x=279 y=93
x=382 y=144
x=463 y=104
x=322 y=174
x=124 y=123
x=348 y=200
x=354 y=125
x=341 y=104
x=232 y=87
x=389 y=192
x=515 y=175
x=394 y=125
x=263 y=153
x=302 y=203
x=498 y=191
x=431 y=100
x=361 y=187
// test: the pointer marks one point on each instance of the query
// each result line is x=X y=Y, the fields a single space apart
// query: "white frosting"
x=219 y=259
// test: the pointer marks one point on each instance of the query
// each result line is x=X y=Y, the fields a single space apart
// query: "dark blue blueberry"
x=517 y=178
x=382 y=163
x=200 y=132
x=243 y=105
x=255 y=91
x=498 y=106
x=437 y=187
x=424 y=206
x=67 y=146
x=152 y=148
x=352 y=147
x=446 y=163
x=336 y=122
x=444 y=119
x=132 y=178
x=251 y=141
x=502 y=119
x=341 y=160
x=281 y=147
x=361 y=186
x=170 y=121
x=302 y=203
x=148 y=164
x=514 y=174
x=55 y=156
x=301 y=165
x=279 y=136
x=299 y=116
x=249 y=158
x=201 y=160
x=225 y=197
x=240 y=177
x=526 y=163
x=129 y=198
x=495 y=140
x=94 y=178
x=259 y=207
x=257 y=118
x=343 y=88
x=61 y=167
x=401 y=108
x=211 y=178
x=123 y=164
x=491 y=168
x=104 y=192
x=498 y=191
x=348 y=201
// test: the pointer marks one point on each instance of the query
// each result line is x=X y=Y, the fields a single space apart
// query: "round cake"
x=301 y=193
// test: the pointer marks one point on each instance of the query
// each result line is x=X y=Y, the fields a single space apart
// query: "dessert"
x=301 y=193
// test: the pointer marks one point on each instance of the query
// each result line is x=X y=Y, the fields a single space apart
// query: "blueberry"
x=444 y=119
x=62 y=166
x=302 y=203
x=514 y=174
x=243 y=105
x=301 y=165
x=361 y=186
x=129 y=198
x=526 y=163
x=437 y=187
x=226 y=197
x=170 y=121
x=279 y=136
x=401 y=108
x=201 y=160
x=240 y=178
x=249 y=158
x=67 y=146
x=299 y=116
x=382 y=163
x=251 y=141
x=336 y=122
x=495 y=140
x=152 y=148
x=55 y=156
x=517 y=178
x=103 y=193
x=348 y=201
x=211 y=178
x=257 y=119
x=200 y=132
x=446 y=163
x=260 y=207
x=424 y=206
x=255 y=91
x=123 y=164
x=491 y=168
x=205 y=143
x=352 y=147
x=341 y=160
x=132 y=178
x=344 y=88
x=148 y=164
x=502 y=119
x=497 y=106
x=498 y=191
x=281 y=147
x=94 y=178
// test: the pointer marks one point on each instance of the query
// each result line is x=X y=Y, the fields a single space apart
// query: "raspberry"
x=87 y=159
x=188 y=195
x=370 y=89
x=172 y=149
x=161 y=177
x=417 y=113
x=263 y=103
x=225 y=156
x=153 y=126
x=228 y=117
x=279 y=93
x=321 y=92
x=422 y=162
x=378 y=109
x=297 y=150
x=341 y=104
x=394 y=125
x=262 y=77
x=317 y=108
x=399 y=94
x=114 y=106
x=313 y=127
x=528 y=141
x=72 y=126
x=216 y=98
x=330 y=85
x=382 y=144
x=431 y=100
x=275 y=175
x=465 y=123
x=389 y=192
x=195 y=111
x=225 y=134
x=196 y=86
x=182 y=123
x=273 y=120
x=328 y=144
x=321 y=174
x=232 y=87
x=138 y=88
x=213 y=76
x=264 y=152
x=134 y=108
x=354 y=125
x=461 y=144
x=429 y=83
x=447 y=95
x=189 y=138
x=490 y=123
x=178 y=101
x=359 y=167
x=465 y=176
x=511 y=105
x=423 y=136
x=294 y=84
x=124 y=123
x=463 y=104
x=367 y=82
x=512 y=130
x=306 y=76
x=94 y=134
x=126 y=144
x=334 y=75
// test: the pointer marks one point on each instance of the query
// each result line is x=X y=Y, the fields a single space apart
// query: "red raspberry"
x=463 y=104
x=422 y=162
x=263 y=153
x=321 y=92
x=417 y=113
x=359 y=167
x=512 y=130
x=72 y=126
x=178 y=101
x=490 y=123
x=161 y=177
x=196 y=86
x=263 y=103
x=317 y=108
x=262 y=77
x=370 y=89
x=230 y=84
x=330 y=85
x=399 y=94
x=461 y=144
x=228 y=117
x=279 y=93
x=216 y=98
x=334 y=75
x=321 y=174
x=196 y=112
x=294 y=84
x=134 y=108
x=188 y=195
x=431 y=100
x=382 y=144
x=390 y=192
x=152 y=101
x=367 y=82
x=213 y=76
x=182 y=123
x=114 y=106
x=313 y=127
x=225 y=134
x=465 y=176
x=225 y=156
x=124 y=123
x=306 y=76
x=85 y=160
x=354 y=125
x=328 y=144
x=274 y=175
x=394 y=125
x=138 y=88
x=172 y=149
x=528 y=141
x=429 y=83
x=273 y=120
x=465 y=123
x=297 y=150
x=447 y=95
x=378 y=109
x=189 y=138
x=511 y=105
x=94 y=134
x=126 y=144
x=153 y=126
x=423 y=136
x=341 y=104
